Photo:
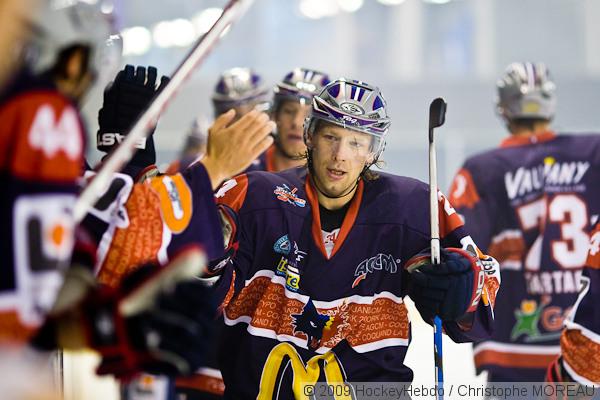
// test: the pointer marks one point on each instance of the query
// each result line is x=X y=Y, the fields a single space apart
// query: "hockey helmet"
x=353 y=105
x=237 y=87
x=300 y=85
x=61 y=24
x=526 y=90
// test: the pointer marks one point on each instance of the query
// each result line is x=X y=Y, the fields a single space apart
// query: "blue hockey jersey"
x=530 y=204
x=304 y=305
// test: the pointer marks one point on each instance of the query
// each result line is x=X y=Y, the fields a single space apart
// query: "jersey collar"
x=347 y=224
x=513 y=141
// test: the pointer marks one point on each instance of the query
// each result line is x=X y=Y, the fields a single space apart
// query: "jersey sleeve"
x=474 y=208
x=154 y=221
x=580 y=340
x=479 y=323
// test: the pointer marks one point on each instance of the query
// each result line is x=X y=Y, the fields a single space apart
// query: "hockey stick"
x=437 y=116
x=231 y=13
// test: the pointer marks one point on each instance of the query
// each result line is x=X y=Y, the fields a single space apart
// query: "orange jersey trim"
x=235 y=196
x=270 y=159
x=512 y=360
x=448 y=217
x=463 y=192
x=202 y=383
x=581 y=353
x=347 y=224
x=593 y=258
x=513 y=141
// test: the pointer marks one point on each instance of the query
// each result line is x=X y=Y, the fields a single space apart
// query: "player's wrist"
x=214 y=171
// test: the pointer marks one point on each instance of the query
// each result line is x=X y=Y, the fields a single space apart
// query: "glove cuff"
x=478 y=277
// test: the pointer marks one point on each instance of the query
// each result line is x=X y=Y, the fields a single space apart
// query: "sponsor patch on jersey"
x=538 y=322
x=287 y=195
x=379 y=262
x=282 y=245
x=292 y=278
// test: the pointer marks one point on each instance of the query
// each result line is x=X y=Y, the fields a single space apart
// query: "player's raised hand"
x=233 y=146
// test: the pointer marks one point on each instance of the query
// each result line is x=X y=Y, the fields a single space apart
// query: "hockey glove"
x=449 y=289
x=124 y=101
x=161 y=321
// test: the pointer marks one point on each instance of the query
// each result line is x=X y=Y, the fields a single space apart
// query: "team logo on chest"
x=379 y=262
x=287 y=195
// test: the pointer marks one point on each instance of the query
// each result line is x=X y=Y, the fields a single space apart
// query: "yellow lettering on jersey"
x=304 y=375
x=175 y=201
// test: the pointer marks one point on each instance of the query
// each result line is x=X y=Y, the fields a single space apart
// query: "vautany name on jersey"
x=547 y=175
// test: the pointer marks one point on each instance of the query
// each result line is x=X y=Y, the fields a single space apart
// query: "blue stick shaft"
x=439 y=369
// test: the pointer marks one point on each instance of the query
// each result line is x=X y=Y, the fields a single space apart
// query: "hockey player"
x=41 y=159
x=529 y=204
x=42 y=143
x=291 y=104
x=316 y=281
x=580 y=347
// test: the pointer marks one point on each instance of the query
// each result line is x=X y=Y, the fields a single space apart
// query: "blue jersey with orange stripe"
x=530 y=204
x=42 y=142
x=332 y=315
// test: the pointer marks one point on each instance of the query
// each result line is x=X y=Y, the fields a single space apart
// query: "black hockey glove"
x=159 y=321
x=448 y=290
x=124 y=101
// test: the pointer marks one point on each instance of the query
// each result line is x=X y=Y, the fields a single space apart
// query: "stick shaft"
x=435 y=259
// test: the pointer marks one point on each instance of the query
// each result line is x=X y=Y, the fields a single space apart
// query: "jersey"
x=135 y=223
x=529 y=204
x=42 y=143
x=335 y=317
x=580 y=341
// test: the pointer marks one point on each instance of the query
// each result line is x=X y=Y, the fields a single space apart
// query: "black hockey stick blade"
x=437 y=115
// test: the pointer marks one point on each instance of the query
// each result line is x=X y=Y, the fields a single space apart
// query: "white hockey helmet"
x=526 y=91
x=61 y=24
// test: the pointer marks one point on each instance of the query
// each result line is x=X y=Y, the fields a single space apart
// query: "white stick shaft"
x=124 y=152
x=433 y=206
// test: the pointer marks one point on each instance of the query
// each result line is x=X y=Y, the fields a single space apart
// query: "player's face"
x=290 y=119
x=339 y=156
